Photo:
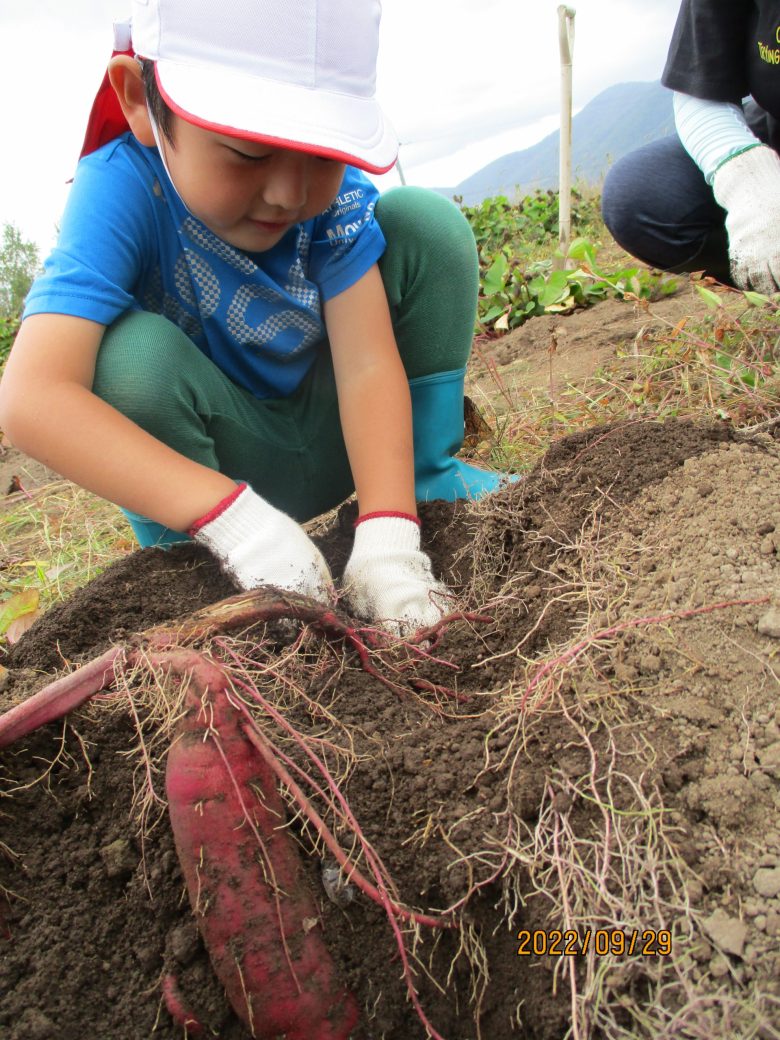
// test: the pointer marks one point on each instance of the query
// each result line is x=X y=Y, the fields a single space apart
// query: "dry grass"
x=719 y=364
x=54 y=539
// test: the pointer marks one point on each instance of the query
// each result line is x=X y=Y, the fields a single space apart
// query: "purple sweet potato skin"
x=254 y=909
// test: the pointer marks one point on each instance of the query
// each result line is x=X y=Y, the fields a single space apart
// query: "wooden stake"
x=566 y=44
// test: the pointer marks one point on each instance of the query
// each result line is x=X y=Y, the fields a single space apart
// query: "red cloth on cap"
x=106 y=120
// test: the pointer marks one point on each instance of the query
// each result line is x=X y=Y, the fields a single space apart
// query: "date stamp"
x=541 y=942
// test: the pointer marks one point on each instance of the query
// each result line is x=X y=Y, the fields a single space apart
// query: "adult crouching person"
x=709 y=198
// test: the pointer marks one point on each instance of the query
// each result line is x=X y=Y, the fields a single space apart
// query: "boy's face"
x=247 y=193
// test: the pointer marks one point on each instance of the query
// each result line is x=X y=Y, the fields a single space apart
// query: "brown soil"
x=605 y=759
x=552 y=351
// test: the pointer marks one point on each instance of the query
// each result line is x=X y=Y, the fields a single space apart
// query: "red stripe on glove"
x=218 y=510
x=394 y=513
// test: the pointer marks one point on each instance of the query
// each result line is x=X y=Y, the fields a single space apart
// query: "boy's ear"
x=124 y=74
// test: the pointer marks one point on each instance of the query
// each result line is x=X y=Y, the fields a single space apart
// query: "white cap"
x=292 y=73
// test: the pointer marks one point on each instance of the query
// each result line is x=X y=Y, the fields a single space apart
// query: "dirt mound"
x=592 y=789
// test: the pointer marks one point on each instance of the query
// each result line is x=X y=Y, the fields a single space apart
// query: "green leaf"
x=492 y=314
x=495 y=276
x=17 y=606
x=558 y=280
x=553 y=293
x=582 y=249
x=712 y=299
x=756 y=299
x=667 y=286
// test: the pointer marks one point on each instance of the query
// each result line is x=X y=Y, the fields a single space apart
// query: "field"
x=576 y=789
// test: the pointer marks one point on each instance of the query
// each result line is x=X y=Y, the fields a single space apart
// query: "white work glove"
x=388 y=580
x=259 y=545
x=748 y=188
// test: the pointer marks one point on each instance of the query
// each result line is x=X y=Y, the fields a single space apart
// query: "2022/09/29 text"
x=542 y=942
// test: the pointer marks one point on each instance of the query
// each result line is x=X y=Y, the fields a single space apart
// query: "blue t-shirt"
x=128 y=243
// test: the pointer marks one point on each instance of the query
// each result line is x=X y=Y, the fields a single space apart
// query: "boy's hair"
x=161 y=113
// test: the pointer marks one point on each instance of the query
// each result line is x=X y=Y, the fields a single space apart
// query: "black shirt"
x=725 y=50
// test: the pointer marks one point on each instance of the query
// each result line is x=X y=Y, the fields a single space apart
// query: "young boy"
x=234 y=329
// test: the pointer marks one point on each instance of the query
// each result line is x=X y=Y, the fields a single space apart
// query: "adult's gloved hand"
x=388 y=580
x=748 y=188
x=259 y=545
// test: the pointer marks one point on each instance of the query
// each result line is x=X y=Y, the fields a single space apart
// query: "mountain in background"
x=615 y=122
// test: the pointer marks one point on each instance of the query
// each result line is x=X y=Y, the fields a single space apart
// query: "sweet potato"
x=177 y=1008
x=244 y=876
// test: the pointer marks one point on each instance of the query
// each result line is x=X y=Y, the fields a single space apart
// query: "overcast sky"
x=463 y=81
